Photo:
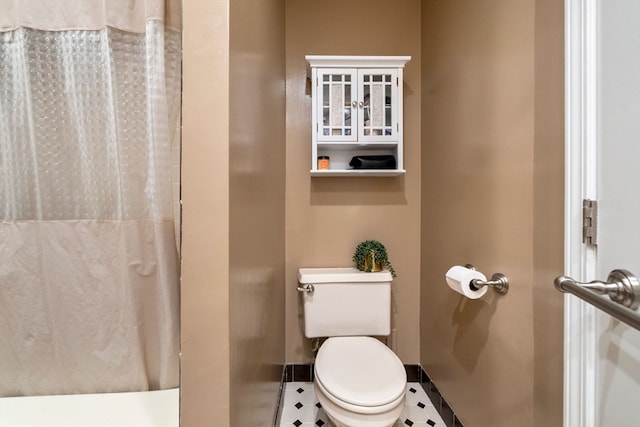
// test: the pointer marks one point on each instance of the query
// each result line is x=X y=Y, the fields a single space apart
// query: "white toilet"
x=359 y=381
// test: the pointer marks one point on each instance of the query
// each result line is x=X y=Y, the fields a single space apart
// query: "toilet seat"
x=360 y=371
x=322 y=394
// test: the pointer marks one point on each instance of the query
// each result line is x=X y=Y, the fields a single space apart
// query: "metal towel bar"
x=621 y=286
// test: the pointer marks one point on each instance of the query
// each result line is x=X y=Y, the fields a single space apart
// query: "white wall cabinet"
x=357 y=111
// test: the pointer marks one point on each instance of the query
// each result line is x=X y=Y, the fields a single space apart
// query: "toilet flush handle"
x=308 y=288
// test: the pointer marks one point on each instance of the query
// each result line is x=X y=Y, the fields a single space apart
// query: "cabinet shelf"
x=357 y=110
x=357 y=172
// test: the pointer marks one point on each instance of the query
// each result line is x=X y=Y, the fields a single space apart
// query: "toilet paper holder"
x=499 y=282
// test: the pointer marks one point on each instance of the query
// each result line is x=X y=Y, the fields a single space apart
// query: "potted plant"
x=371 y=255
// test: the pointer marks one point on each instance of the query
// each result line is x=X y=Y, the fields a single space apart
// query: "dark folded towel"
x=373 y=162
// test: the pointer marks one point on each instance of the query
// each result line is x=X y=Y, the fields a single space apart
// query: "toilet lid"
x=360 y=370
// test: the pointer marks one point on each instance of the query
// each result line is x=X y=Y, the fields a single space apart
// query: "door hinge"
x=590 y=222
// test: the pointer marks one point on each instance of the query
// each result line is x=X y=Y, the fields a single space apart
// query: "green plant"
x=369 y=253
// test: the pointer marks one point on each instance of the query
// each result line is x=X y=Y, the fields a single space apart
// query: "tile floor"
x=300 y=408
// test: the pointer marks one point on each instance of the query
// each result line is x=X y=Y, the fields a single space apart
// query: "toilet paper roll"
x=459 y=279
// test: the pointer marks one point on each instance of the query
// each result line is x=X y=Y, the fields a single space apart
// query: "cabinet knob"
x=354 y=104
x=361 y=104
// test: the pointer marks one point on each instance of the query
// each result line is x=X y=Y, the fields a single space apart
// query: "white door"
x=602 y=354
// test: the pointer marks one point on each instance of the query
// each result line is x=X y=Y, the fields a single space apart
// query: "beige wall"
x=256 y=209
x=233 y=212
x=483 y=151
x=204 y=363
x=327 y=217
x=548 y=212
x=492 y=196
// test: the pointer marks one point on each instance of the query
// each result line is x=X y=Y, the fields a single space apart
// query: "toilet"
x=358 y=380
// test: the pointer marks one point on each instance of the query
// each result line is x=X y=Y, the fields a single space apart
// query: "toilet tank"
x=346 y=302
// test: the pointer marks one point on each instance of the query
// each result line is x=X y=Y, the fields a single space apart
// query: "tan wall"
x=204 y=363
x=492 y=178
x=328 y=217
x=548 y=212
x=488 y=77
x=256 y=209
x=233 y=212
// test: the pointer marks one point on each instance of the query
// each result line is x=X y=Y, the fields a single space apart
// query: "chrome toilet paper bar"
x=499 y=282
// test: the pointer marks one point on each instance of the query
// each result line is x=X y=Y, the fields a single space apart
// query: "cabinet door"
x=336 y=105
x=378 y=105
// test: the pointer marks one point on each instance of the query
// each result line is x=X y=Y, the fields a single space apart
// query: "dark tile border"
x=302 y=372
x=444 y=409
x=415 y=373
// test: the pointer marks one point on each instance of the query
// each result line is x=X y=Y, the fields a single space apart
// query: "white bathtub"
x=141 y=409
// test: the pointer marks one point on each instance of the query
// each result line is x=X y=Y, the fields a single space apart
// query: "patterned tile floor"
x=300 y=408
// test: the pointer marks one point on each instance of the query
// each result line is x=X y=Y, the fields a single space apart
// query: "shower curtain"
x=89 y=161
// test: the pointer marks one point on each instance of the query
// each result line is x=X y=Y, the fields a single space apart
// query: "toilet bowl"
x=359 y=382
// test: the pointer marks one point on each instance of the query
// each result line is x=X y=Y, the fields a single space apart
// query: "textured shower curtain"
x=89 y=112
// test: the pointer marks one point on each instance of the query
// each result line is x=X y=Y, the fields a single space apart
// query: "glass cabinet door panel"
x=378 y=90
x=337 y=105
